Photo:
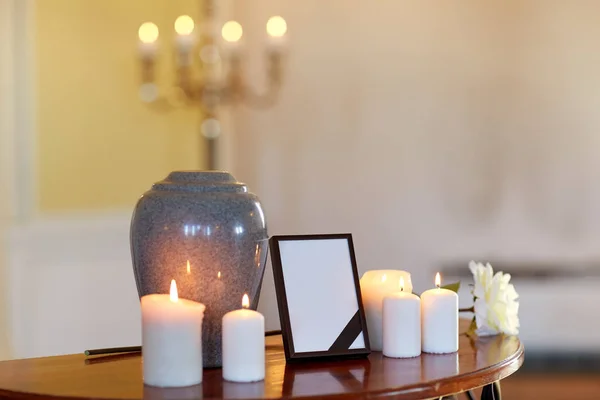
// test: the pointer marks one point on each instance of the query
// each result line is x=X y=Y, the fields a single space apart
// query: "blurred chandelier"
x=208 y=70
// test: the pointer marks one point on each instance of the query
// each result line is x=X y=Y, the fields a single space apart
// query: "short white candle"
x=401 y=324
x=439 y=320
x=171 y=340
x=243 y=344
x=374 y=285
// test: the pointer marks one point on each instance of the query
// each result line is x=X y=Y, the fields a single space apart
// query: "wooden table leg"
x=491 y=392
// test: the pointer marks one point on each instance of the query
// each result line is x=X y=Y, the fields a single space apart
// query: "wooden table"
x=481 y=362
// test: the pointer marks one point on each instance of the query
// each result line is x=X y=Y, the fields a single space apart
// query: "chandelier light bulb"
x=184 y=25
x=276 y=26
x=148 y=32
x=232 y=31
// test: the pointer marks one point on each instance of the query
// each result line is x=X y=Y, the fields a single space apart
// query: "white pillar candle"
x=401 y=324
x=374 y=285
x=243 y=344
x=171 y=340
x=439 y=320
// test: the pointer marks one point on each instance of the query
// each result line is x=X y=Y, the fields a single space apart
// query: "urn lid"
x=200 y=181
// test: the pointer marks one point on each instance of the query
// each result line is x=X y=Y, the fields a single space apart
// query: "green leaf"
x=472 y=328
x=452 y=286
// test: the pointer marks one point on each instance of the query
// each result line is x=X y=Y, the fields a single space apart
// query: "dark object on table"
x=206 y=231
x=137 y=349
x=113 y=350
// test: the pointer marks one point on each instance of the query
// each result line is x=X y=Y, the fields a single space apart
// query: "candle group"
x=403 y=325
x=374 y=286
x=171 y=340
x=400 y=324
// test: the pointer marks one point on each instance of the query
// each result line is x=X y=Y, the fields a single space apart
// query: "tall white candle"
x=243 y=344
x=374 y=285
x=401 y=324
x=439 y=320
x=171 y=340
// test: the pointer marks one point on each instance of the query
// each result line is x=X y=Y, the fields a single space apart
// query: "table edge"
x=453 y=385
x=430 y=389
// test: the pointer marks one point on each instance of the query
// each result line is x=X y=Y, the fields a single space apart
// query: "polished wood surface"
x=478 y=362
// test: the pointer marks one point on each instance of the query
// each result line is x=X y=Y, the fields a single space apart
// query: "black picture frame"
x=353 y=338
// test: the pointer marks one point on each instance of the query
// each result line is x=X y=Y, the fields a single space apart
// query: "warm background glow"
x=232 y=31
x=276 y=26
x=97 y=145
x=148 y=32
x=184 y=25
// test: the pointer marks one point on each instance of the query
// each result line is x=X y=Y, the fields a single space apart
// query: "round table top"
x=477 y=363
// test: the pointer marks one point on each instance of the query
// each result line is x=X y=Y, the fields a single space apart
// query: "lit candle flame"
x=245 y=301
x=384 y=277
x=173 y=292
x=438 y=280
x=402 y=283
x=188 y=267
x=219 y=275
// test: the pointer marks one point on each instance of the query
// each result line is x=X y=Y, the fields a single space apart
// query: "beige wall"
x=7 y=125
x=433 y=131
x=97 y=146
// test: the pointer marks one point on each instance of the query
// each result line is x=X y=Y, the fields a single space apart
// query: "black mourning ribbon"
x=348 y=335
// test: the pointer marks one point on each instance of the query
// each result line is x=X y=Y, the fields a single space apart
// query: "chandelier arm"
x=259 y=100
x=160 y=104
x=268 y=97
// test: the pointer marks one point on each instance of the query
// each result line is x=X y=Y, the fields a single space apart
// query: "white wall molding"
x=8 y=198
x=16 y=142
x=74 y=271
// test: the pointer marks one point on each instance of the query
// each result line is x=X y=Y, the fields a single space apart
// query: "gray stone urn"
x=211 y=221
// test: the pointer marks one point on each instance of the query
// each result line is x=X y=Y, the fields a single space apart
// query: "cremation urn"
x=206 y=231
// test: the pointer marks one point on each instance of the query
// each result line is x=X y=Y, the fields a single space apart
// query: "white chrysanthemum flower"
x=496 y=301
